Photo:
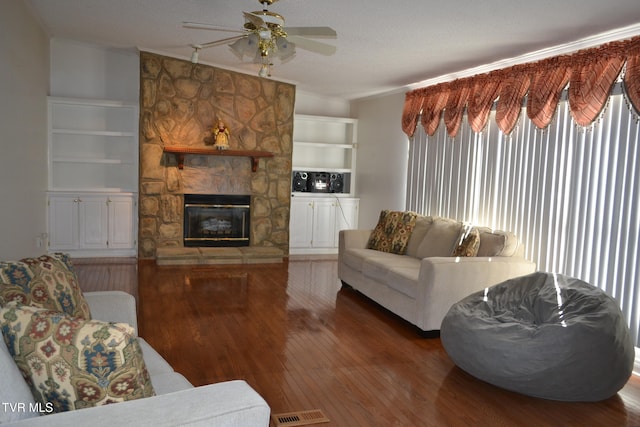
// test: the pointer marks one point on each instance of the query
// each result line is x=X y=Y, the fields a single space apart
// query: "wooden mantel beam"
x=180 y=152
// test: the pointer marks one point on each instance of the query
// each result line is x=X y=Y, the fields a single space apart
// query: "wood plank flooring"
x=304 y=343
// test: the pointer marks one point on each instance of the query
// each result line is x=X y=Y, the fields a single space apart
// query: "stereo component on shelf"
x=299 y=182
x=336 y=183
x=320 y=182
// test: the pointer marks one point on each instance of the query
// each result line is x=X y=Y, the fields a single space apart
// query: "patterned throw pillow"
x=392 y=231
x=468 y=244
x=73 y=363
x=48 y=281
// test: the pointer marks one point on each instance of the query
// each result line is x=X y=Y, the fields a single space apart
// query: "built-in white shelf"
x=93 y=145
x=325 y=144
x=93 y=176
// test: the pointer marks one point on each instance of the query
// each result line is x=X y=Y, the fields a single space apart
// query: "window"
x=572 y=194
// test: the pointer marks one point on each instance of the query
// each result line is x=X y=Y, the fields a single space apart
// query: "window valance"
x=590 y=74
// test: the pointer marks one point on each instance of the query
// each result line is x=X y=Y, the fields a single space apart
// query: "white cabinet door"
x=301 y=223
x=63 y=223
x=324 y=223
x=346 y=216
x=121 y=231
x=316 y=221
x=93 y=222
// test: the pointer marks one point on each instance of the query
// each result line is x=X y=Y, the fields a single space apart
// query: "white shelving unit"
x=93 y=176
x=323 y=144
x=92 y=145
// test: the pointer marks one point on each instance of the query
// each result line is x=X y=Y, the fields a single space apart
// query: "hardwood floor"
x=304 y=343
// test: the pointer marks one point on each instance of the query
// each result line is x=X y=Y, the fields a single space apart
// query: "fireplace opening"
x=216 y=220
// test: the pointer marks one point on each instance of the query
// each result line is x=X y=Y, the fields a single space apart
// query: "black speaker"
x=336 y=183
x=299 y=182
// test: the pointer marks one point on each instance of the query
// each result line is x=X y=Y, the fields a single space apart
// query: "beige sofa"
x=422 y=284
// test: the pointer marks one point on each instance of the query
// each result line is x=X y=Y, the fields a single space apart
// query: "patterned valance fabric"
x=512 y=90
x=544 y=92
x=590 y=74
x=412 y=107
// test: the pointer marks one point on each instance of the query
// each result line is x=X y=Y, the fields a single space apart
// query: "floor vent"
x=299 y=418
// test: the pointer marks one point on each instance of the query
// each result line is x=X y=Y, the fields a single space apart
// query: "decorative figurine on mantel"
x=221 y=135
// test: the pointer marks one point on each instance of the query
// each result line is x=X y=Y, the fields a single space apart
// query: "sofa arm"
x=226 y=404
x=113 y=306
x=444 y=281
x=353 y=239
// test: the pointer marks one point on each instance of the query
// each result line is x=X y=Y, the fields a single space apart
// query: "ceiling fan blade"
x=203 y=26
x=219 y=42
x=315 y=32
x=254 y=19
x=312 y=45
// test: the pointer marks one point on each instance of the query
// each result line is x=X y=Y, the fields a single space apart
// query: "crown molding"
x=585 y=43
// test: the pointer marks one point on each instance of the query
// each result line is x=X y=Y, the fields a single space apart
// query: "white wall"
x=318 y=105
x=80 y=70
x=383 y=151
x=24 y=77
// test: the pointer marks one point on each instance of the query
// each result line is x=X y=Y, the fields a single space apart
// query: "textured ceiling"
x=382 y=46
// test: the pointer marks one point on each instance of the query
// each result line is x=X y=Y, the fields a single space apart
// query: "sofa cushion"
x=48 y=281
x=153 y=361
x=169 y=382
x=355 y=257
x=440 y=238
x=73 y=363
x=468 y=243
x=378 y=267
x=404 y=279
x=496 y=243
x=392 y=231
x=422 y=226
x=14 y=391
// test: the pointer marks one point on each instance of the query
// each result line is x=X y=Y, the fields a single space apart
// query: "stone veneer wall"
x=180 y=102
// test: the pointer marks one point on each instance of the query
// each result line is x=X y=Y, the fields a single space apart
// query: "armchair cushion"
x=72 y=363
x=48 y=281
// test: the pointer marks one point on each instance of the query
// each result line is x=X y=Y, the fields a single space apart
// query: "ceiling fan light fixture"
x=245 y=46
x=285 y=49
x=240 y=47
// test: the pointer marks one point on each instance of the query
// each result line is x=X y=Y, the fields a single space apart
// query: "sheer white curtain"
x=571 y=194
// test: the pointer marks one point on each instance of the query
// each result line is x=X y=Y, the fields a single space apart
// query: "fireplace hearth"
x=220 y=220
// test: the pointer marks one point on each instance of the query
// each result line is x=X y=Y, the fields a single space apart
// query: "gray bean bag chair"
x=543 y=335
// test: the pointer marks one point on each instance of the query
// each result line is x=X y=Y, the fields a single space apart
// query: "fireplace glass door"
x=216 y=220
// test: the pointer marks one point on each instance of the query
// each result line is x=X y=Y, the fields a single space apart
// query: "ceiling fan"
x=264 y=36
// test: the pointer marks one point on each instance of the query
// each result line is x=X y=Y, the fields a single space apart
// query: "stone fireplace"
x=180 y=103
